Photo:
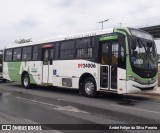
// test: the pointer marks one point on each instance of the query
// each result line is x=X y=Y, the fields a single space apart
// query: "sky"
x=42 y=19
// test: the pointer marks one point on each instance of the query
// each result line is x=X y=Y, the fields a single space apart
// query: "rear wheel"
x=89 y=87
x=26 y=81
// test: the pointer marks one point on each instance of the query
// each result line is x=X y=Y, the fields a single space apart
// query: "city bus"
x=121 y=60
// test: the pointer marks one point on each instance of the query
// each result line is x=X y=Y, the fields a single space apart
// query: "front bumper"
x=135 y=87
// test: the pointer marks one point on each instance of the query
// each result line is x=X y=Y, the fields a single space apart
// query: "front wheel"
x=4 y=80
x=89 y=87
x=26 y=81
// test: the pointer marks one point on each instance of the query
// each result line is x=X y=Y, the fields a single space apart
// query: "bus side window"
x=51 y=56
x=35 y=53
x=122 y=53
x=46 y=57
x=8 y=55
x=26 y=54
x=67 y=50
x=84 y=48
x=115 y=53
x=17 y=54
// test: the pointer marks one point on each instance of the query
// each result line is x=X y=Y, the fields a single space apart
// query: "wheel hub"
x=25 y=81
x=89 y=87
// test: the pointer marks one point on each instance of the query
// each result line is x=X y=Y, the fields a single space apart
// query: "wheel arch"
x=23 y=73
x=83 y=77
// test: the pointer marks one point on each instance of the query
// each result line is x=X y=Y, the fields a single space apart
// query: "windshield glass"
x=143 y=53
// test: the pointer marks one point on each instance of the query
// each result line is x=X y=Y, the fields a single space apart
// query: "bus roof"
x=81 y=35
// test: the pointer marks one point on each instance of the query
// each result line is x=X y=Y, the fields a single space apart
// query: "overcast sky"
x=41 y=19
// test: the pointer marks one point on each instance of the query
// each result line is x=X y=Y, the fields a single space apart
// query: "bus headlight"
x=134 y=79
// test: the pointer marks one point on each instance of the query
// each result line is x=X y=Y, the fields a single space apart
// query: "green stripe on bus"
x=15 y=74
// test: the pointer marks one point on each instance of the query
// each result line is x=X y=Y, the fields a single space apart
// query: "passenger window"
x=84 y=48
x=35 y=53
x=67 y=50
x=27 y=53
x=115 y=53
x=17 y=54
x=8 y=55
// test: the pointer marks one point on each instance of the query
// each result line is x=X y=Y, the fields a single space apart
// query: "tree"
x=20 y=41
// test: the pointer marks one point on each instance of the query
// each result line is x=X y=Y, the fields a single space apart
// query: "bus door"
x=109 y=65
x=47 y=56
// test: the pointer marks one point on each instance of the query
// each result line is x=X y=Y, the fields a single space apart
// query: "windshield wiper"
x=140 y=41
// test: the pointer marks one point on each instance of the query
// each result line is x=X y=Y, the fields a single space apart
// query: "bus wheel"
x=26 y=81
x=4 y=80
x=89 y=87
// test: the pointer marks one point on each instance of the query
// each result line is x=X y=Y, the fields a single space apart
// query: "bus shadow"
x=47 y=89
x=126 y=100
x=56 y=90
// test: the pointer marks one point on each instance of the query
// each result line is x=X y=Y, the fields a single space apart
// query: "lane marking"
x=144 y=110
x=48 y=104
x=56 y=107
x=70 y=108
x=61 y=99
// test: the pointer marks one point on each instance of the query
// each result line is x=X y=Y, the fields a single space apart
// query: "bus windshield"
x=143 y=53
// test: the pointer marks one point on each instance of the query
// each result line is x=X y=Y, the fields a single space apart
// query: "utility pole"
x=103 y=22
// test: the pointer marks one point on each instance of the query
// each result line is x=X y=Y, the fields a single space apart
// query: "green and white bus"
x=120 y=60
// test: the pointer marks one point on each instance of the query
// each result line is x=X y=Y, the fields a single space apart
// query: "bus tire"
x=4 y=80
x=26 y=81
x=89 y=87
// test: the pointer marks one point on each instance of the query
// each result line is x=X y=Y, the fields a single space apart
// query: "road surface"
x=48 y=105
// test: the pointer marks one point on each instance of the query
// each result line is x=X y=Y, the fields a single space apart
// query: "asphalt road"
x=47 y=105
